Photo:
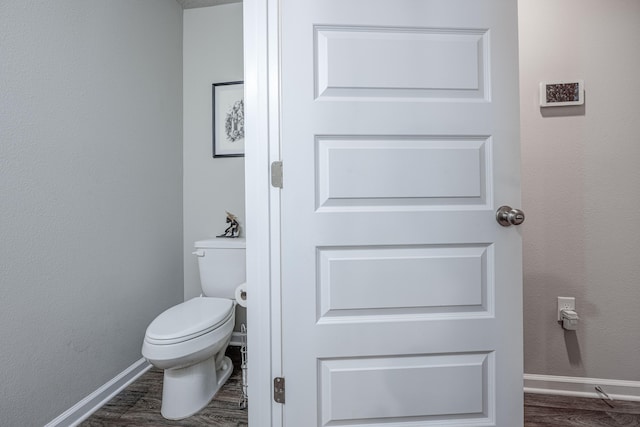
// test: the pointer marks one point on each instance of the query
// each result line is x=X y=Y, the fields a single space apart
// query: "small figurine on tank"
x=233 y=230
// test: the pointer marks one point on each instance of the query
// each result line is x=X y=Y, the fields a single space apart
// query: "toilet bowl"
x=189 y=340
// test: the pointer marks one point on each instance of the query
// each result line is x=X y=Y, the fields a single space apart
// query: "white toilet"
x=189 y=340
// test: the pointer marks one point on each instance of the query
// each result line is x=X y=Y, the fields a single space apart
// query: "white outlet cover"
x=566 y=303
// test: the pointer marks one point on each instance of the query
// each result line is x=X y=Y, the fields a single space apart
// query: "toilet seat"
x=189 y=320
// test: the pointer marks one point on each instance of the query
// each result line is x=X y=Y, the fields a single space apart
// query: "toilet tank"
x=222 y=264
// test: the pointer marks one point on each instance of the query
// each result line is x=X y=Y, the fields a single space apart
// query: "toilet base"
x=187 y=390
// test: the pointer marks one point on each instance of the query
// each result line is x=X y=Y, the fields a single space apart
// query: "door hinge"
x=278 y=389
x=276 y=174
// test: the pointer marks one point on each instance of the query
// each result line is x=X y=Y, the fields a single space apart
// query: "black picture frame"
x=228 y=119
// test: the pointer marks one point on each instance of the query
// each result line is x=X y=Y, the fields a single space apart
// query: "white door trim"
x=262 y=208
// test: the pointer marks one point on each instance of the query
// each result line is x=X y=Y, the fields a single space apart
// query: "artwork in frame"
x=228 y=119
x=561 y=94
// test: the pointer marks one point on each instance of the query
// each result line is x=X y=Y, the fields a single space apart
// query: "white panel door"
x=401 y=294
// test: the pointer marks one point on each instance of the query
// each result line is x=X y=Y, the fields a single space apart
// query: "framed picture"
x=559 y=94
x=228 y=119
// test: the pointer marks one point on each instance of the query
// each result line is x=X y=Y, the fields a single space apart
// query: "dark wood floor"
x=139 y=405
x=542 y=410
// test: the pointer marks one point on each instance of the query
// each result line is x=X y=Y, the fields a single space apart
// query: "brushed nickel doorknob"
x=507 y=216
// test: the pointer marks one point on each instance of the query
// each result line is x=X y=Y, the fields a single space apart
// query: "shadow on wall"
x=573 y=348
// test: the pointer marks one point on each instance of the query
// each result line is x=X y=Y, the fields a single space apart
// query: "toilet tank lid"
x=221 y=243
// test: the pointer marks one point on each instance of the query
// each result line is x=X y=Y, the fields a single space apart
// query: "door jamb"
x=262 y=146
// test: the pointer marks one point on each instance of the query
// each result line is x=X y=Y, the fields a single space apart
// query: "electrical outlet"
x=566 y=303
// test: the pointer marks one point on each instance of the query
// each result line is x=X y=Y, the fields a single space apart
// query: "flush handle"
x=507 y=216
x=199 y=253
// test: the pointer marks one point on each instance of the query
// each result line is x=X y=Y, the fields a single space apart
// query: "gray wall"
x=90 y=193
x=581 y=184
x=212 y=54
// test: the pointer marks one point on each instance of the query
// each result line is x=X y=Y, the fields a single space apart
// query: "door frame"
x=262 y=146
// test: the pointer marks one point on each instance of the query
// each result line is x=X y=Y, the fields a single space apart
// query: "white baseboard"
x=581 y=387
x=87 y=406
